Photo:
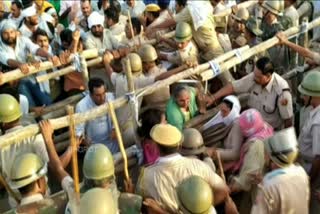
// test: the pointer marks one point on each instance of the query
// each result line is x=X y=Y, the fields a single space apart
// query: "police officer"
x=10 y=115
x=195 y=196
x=309 y=145
x=28 y=176
x=240 y=18
x=286 y=187
x=269 y=94
x=149 y=58
x=186 y=48
x=193 y=146
x=271 y=23
x=98 y=201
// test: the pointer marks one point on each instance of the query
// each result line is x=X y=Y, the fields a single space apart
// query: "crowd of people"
x=200 y=148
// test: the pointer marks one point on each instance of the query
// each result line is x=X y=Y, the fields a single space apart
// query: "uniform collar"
x=31 y=199
x=169 y=158
x=269 y=85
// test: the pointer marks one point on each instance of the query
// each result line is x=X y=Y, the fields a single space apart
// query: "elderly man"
x=99 y=130
x=16 y=52
x=160 y=180
x=309 y=142
x=98 y=37
x=269 y=94
x=86 y=10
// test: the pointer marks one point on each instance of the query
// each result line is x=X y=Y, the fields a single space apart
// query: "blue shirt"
x=98 y=130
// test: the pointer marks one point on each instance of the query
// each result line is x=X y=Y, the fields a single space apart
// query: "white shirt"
x=31 y=199
x=136 y=11
x=109 y=42
x=24 y=46
x=97 y=130
x=17 y=21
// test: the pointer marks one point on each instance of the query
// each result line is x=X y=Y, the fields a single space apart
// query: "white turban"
x=7 y=24
x=30 y=11
x=95 y=19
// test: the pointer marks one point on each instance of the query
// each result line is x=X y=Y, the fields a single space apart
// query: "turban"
x=7 y=24
x=95 y=19
x=30 y=11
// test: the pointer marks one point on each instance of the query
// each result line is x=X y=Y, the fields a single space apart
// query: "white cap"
x=95 y=19
x=30 y=11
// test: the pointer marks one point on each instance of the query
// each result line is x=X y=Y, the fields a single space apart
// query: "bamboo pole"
x=131 y=28
x=32 y=130
x=67 y=70
x=63 y=103
x=75 y=169
x=119 y=138
x=228 y=11
x=9 y=190
x=17 y=74
x=84 y=70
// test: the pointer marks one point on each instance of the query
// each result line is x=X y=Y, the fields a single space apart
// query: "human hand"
x=46 y=130
x=107 y=57
x=55 y=61
x=24 y=68
x=128 y=186
x=282 y=38
x=64 y=57
x=153 y=206
x=76 y=35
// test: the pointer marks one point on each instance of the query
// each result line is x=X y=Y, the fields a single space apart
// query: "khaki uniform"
x=232 y=144
x=160 y=180
x=309 y=147
x=159 y=98
x=8 y=154
x=205 y=37
x=124 y=113
x=274 y=101
x=179 y=57
x=163 y=17
x=283 y=191
x=118 y=31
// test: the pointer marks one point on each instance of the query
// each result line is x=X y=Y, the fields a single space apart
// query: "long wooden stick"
x=119 y=138
x=9 y=190
x=75 y=169
x=31 y=130
x=17 y=74
x=131 y=28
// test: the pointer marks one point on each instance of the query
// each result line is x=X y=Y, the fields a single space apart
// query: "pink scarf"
x=150 y=152
x=253 y=127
